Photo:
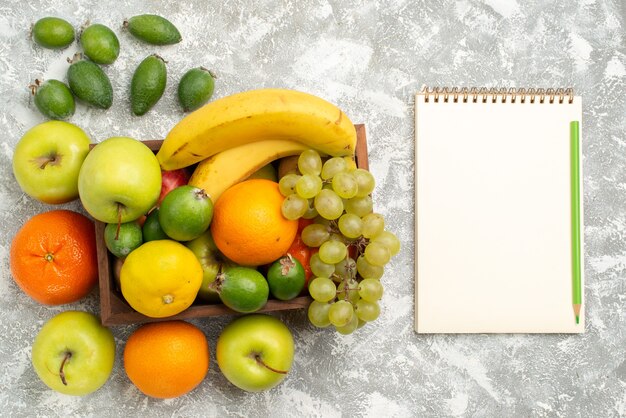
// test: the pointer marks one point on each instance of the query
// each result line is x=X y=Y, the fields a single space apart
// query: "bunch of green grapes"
x=353 y=243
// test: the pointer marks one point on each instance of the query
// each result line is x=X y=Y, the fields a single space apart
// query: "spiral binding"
x=465 y=94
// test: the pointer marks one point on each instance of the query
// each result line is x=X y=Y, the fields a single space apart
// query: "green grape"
x=352 y=291
x=334 y=236
x=333 y=166
x=322 y=221
x=373 y=224
x=350 y=225
x=332 y=252
x=319 y=268
x=389 y=240
x=318 y=314
x=345 y=185
x=315 y=235
x=308 y=186
x=287 y=184
x=370 y=290
x=350 y=327
x=340 y=313
x=294 y=207
x=367 y=270
x=322 y=289
x=311 y=212
x=367 y=311
x=360 y=206
x=328 y=204
x=346 y=268
x=309 y=162
x=351 y=164
x=377 y=254
x=361 y=323
x=365 y=181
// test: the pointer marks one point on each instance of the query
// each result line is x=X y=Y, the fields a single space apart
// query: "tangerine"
x=166 y=359
x=248 y=226
x=53 y=257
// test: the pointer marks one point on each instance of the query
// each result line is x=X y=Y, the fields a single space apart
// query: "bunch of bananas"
x=233 y=137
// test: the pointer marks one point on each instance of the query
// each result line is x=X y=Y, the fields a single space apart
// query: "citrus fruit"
x=166 y=359
x=248 y=226
x=53 y=257
x=286 y=278
x=160 y=278
x=123 y=240
x=185 y=213
x=242 y=289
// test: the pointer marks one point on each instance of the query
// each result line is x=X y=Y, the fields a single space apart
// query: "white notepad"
x=493 y=211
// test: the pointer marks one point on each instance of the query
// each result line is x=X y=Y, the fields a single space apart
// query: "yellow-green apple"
x=255 y=352
x=47 y=160
x=120 y=180
x=73 y=353
x=211 y=260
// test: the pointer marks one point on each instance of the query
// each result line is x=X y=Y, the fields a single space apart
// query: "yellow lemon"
x=161 y=278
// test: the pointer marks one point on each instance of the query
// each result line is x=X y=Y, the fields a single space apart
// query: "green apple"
x=73 y=353
x=120 y=180
x=255 y=352
x=211 y=259
x=47 y=160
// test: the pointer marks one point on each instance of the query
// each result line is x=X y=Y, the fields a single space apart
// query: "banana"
x=258 y=115
x=224 y=169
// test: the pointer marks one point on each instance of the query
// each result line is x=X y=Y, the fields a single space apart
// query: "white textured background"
x=368 y=57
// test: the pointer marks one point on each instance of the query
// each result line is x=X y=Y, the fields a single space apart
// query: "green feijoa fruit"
x=53 y=32
x=185 y=213
x=54 y=99
x=148 y=84
x=89 y=83
x=286 y=278
x=100 y=44
x=242 y=289
x=153 y=29
x=121 y=242
x=195 y=88
x=152 y=230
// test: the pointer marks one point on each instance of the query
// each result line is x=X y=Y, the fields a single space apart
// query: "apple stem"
x=68 y=355
x=261 y=362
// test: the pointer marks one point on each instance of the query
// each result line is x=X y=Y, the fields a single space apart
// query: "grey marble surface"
x=369 y=57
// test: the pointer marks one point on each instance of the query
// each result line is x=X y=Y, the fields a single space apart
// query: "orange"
x=248 y=226
x=53 y=257
x=166 y=359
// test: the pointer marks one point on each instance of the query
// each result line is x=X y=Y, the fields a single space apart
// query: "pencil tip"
x=577 y=319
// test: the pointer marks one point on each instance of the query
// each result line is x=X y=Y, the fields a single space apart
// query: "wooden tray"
x=114 y=310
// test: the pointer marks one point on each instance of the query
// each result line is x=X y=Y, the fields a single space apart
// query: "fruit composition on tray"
x=251 y=197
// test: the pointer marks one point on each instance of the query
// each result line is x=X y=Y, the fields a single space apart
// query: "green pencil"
x=575 y=192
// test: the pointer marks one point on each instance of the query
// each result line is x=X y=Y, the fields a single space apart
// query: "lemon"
x=161 y=278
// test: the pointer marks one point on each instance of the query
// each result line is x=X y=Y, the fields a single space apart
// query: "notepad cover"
x=493 y=217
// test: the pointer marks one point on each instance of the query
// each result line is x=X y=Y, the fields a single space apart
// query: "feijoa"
x=153 y=29
x=100 y=44
x=185 y=213
x=152 y=230
x=242 y=289
x=54 y=99
x=89 y=83
x=148 y=84
x=53 y=32
x=195 y=88
x=286 y=278
x=123 y=238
